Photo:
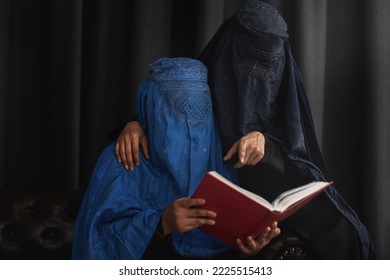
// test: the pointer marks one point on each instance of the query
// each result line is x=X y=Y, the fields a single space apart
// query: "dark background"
x=69 y=70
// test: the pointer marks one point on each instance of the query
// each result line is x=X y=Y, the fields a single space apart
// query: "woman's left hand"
x=250 y=149
x=253 y=246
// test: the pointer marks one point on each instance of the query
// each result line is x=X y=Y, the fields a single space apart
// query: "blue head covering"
x=121 y=209
x=256 y=86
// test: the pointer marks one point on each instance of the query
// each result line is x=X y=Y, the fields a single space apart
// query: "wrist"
x=164 y=227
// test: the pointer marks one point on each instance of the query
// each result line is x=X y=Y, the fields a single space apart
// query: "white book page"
x=290 y=197
x=253 y=196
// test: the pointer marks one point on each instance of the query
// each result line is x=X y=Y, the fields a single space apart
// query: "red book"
x=241 y=213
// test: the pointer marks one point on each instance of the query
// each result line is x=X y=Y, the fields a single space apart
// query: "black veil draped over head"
x=256 y=86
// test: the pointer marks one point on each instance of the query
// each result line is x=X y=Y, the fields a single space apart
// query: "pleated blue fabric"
x=121 y=209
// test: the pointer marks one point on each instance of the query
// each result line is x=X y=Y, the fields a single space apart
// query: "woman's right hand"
x=183 y=215
x=128 y=143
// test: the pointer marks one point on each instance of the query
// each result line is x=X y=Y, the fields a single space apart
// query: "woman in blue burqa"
x=266 y=127
x=147 y=213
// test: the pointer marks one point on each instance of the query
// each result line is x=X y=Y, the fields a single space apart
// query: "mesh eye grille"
x=194 y=106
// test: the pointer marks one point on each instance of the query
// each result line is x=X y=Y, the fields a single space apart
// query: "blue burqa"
x=121 y=209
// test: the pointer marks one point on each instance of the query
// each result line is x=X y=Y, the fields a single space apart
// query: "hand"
x=250 y=148
x=182 y=215
x=254 y=246
x=127 y=145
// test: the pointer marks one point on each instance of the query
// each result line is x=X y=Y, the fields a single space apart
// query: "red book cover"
x=241 y=213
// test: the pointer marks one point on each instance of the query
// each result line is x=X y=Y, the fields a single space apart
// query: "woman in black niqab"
x=256 y=86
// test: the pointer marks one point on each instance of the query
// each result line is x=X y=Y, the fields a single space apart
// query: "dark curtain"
x=69 y=70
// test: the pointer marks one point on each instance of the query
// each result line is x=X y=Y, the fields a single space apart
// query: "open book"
x=241 y=213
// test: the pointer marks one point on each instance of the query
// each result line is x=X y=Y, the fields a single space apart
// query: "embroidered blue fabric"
x=121 y=209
